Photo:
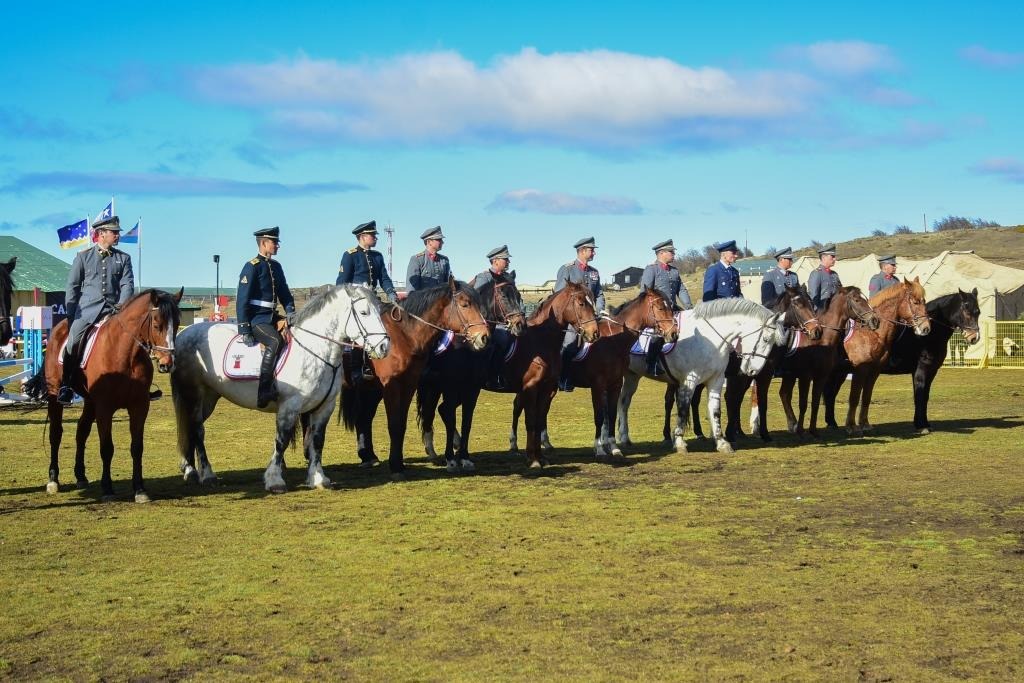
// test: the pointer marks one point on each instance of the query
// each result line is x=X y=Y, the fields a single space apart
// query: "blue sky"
x=531 y=124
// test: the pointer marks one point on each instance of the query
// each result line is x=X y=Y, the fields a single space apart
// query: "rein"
x=654 y=317
x=499 y=304
x=579 y=316
x=462 y=319
x=149 y=347
x=753 y=354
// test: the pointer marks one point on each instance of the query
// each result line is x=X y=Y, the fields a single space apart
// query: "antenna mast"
x=390 y=232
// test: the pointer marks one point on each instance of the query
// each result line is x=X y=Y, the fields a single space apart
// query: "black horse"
x=919 y=356
x=456 y=376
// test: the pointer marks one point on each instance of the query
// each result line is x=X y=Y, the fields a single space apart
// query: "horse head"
x=506 y=304
x=966 y=315
x=659 y=315
x=913 y=308
x=152 y=319
x=464 y=315
x=855 y=306
x=363 y=325
x=572 y=305
x=6 y=287
x=799 y=311
x=772 y=333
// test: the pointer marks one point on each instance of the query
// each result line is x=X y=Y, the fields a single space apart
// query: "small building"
x=628 y=277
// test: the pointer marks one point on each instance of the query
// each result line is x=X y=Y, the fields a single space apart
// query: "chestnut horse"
x=6 y=287
x=606 y=361
x=118 y=375
x=812 y=361
x=456 y=376
x=867 y=351
x=921 y=357
x=414 y=329
x=533 y=369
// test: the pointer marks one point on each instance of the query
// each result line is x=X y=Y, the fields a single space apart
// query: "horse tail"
x=184 y=398
x=348 y=406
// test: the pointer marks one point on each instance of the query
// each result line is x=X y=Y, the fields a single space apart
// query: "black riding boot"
x=66 y=394
x=565 y=379
x=653 y=352
x=267 y=391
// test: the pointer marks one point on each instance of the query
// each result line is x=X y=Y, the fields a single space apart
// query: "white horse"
x=308 y=382
x=707 y=336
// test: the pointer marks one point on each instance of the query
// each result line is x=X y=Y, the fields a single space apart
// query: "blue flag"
x=105 y=213
x=74 y=235
x=132 y=236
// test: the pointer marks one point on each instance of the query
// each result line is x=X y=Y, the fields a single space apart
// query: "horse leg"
x=611 y=403
x=755 y=403
x=273 y=476
x=529 y=403
x=447 y=412
x=55 y=413
x=369 y=402
x=670 y=403
x=513 y=437
x=82 y=432
x=684 y=394
x=761 y=403
x=104 y=428
x=427 y=397
x=468 y=408
x=715 y=414
x=735 y=390
x=851 y=410
x=786 y=397
x=137 y=414
x=833 y=383
x=206 y=474
x=597 y=402
x=922 y=389
x=313 y=445
x=803 y=388
x=698 y=431
x=816 y=389
x=865 y=399
x=629 y=385
x=397 y=399
x=544 y=404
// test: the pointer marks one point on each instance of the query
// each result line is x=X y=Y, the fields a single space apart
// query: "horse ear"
x=975 y=292
x=10 y=264
x=451 y=282
x=512 y=275
x=177 y=297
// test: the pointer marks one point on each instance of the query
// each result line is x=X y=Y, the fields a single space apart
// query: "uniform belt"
x=262 y=304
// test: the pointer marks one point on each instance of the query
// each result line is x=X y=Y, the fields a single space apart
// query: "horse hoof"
x=546 y=448
x=52 y=487
x=452 y=467
x=277 y=488
x=437 y=460
x=208 y=481
x=616 y=452
x=536 y=465
x=513 y=451
x=108 y=498
x=190 y=476
x=142 y=497
x=398 y=476
x=924 y=431
x=467 y=465
x=82 y=484
x=366 y=464
x=725 y=447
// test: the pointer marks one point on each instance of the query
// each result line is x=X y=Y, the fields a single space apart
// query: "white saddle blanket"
x=243 y=362
x=643 y=342
x=90 y=342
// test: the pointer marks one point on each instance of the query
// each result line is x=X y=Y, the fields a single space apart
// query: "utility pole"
x=924 y=221
x=390 y=232
x=216 y=288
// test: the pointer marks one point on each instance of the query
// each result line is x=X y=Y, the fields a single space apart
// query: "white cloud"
x=993 y=58
x=1006 y=167
x=846 y=59
x=597 y=97
x=561 y=203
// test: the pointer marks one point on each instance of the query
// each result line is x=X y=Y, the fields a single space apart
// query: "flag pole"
x=140 y=252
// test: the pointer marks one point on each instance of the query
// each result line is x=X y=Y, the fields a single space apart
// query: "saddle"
x=90 y=341
x=242 y=362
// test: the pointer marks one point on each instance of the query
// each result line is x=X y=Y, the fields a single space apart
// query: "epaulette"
x=353 y=250
x=569 y=264
x=255 y=261
x=422 y=253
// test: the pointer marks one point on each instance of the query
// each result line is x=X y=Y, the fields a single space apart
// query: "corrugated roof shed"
x=35 y=267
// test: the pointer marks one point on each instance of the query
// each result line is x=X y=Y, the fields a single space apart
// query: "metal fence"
x=1001 y=346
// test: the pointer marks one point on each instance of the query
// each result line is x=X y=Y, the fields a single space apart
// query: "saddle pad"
x=850 y=325
x=797 y=336
x=90 y=342
x=444 y=343
x=643 y=343
x=511 y=349
x=582 y=353
x=243 y=362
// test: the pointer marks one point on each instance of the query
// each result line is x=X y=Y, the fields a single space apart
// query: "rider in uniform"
x=498 y=273
x=663 y=276
x=364 y=265
x=721 y=279
x=581 y=272
x=261 y=287
x=824 y=282
x=100 y=282
x=884 y=279
x=775 y=281
x=430 y=267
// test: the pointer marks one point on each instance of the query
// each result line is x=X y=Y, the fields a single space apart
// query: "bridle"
x=580 y=322
x=914 y=318
x=654 y=317
x=352 y=315
x=502 y=309
x=466 y=325
x=149 y=347
x=963 y=328
x=853 y=314
x=741 y=354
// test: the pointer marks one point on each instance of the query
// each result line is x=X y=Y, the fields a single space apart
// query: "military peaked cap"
x=273 y=233
x=433 y=233
x=883 y=260
x=363 y=228
x=785 y=252
x=110 y=223
x=727 y=246
x=499 y=252
x=664 y=246
x=829 y=249
x=586 y=242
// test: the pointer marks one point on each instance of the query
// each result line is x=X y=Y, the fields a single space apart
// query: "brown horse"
x=414 y=329
x=532 y=370
x=6 y=287
x=607 y=360
x=118 y=375
x=812 y=361
x=901 y=305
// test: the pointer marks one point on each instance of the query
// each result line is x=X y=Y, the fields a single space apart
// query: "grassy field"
x=892 y=557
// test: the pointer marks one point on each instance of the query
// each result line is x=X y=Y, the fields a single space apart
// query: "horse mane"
x=735 y=305
x=616 y=310
x=545 y=304
x=419 y=301
x=164 y=302
x=6 y=280
x=890 y=293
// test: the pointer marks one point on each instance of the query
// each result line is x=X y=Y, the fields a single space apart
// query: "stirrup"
x=65 y=395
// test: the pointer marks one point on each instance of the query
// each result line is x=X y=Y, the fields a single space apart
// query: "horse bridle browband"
x=352 y=315
x=499 y=304
x=580 y=322
x=149 y=347
x=654 y=317
x=752 y=354
x=466 y=325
